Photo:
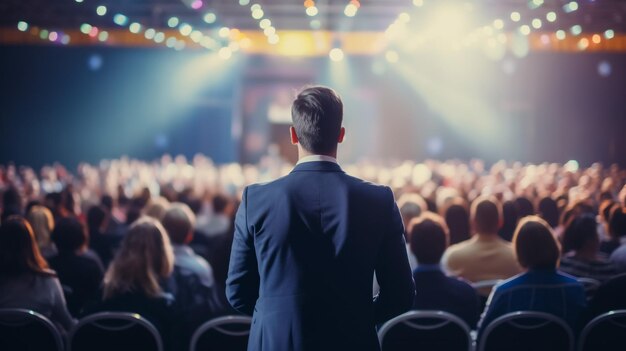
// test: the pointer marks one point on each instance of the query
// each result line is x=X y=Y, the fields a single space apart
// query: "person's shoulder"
x=462 y=247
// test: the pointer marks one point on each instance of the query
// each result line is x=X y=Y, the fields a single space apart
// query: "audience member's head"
x=108 y=202
x=220 y=203
x=179 y=222
x=411 y=206
x=19 y=253
x=486 y=215
x=535 y=245
x=429 y=238
x=156 y=208
x=69 y=235
x=509 y=220
x=524 y=207
x=617 y=222
x=457 y=220
x=581 y=233
x=97 y=219
x=145 y=257
x=548 y=210
x=41 y=220
x=132 y=214
x=317 y=114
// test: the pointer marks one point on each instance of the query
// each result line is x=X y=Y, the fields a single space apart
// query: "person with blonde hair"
x=132 y=281
x=542 y=287
x=42 y=222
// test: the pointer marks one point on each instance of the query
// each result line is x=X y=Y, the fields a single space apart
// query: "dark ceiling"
x=373 y=15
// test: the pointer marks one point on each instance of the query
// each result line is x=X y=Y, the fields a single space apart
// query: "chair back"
x=605 y=332
x=22 y=329
x=114 y=331
x=527 y=330
x=590 y=285
x=425 y=330
x=228 y=333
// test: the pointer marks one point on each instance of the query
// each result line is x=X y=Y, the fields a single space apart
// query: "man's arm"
x=397 y=289
x=242 y=285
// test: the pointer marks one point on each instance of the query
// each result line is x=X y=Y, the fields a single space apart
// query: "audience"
x=25 y=280
x=609 y=297
x=541 y=287
x=572 y=201
x=435 y=291
x=485 y=256
x=581 y=245
x=132 y=281
x=80 y=271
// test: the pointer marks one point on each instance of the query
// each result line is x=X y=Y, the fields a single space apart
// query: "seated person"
x=411 y=206
x=80 y=273
x=581 y=245
x=618 y=228
x=485 y=256
x=541 y=288
x=25 y=280
x=435 y=291
x=131 y=283
x=609 y=297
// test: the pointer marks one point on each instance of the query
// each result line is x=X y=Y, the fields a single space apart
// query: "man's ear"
x=342 y=134
x=293 y=135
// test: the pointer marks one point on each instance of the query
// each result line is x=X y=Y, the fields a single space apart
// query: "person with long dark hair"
x=25 y=280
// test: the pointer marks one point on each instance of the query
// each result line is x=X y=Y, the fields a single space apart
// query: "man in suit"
x=306 y=246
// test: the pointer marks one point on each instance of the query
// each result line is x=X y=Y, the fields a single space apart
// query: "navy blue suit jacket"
x=303 y=257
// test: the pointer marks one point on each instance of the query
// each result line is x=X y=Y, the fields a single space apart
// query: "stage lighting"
x=311 y=11
x=85 y=28
x=315 y=24
x=196 y=36
x=391 y=56
x=172 y=22
x=576 y=29
x=269 y=31
x=336 y=54
x=225 y=53
x=583 y=44
x=596 y=39
x=264 y=23
x=570 y=7
x=170 y=42
x=604 y=69
x=197 y=4
x=257 y=14
x=43 y=34
x=536 y=23
x=551 y=16
x=244 y=2
x=210 y=18
x=560 y=34
x=159 y=37
x=498 y=24
x=185 y=29
x=95 y=62
x=120 y=19
x=150 y=33
x=22 y=26
x=418 y=3
x=103 y=36
x=134 y=27
x=609 y=34
x=53 y=36
x=273 y=39
x=65 y=39
x=101 y=10
x=350 y=10
x=224 y=32
x=515 y=16
x=525 y=30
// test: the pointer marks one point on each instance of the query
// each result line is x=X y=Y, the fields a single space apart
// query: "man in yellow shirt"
x=485 y=256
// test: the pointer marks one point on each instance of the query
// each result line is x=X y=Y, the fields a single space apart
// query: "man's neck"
x=302 y=153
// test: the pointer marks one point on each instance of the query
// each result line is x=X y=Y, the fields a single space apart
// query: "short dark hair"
x=535 y=245
x=486 y=213
x=317 y=114
x=429 y=238
x=617 y=221
x=69 y=235
x=579 y=231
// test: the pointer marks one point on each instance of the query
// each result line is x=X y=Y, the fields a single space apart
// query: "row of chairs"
x=415 y=330
x=590 y=285
x=522 y=330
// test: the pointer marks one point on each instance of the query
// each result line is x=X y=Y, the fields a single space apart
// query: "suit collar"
x=317 y=166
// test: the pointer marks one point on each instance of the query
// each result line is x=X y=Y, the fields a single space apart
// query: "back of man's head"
x=486 y=214
x=317 y=114
x=179 y=222
x=429 y=238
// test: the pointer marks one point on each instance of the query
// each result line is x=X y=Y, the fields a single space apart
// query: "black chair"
x=114 y=331
x=228 y=333
x=25 y=330
x=527 y=330
x=425 y=330
x=606 y=332
x=591 y=286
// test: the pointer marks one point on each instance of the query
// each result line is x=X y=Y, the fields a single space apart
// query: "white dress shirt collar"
x=316 y=158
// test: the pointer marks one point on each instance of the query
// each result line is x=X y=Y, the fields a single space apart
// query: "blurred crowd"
x=156 y=235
